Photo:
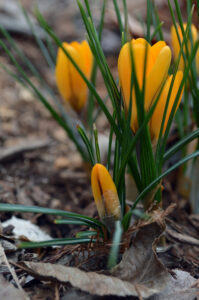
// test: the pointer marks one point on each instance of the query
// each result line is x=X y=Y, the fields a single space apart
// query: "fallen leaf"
x=9 y=292
x=4 y=262
x=179 y=287
x=140 y=264
x=91 y=282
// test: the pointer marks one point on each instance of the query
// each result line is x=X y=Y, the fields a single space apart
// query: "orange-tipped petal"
x=105 y=193
x=156 y=120
x=69 y=82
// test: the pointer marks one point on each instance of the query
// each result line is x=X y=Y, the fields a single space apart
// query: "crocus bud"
x=176 y=45
x=157 y=59
x=105 y=195
x=71 y=86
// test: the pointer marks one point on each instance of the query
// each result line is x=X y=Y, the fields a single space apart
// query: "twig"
x=3 y=259
x=11 y=153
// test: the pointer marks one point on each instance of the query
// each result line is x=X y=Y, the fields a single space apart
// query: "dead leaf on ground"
x=180 y=287
x=9 y=292
x=140 y=264
x=91 y=282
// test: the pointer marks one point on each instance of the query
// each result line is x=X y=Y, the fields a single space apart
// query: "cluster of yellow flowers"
x=73 y=89
x=155 y=64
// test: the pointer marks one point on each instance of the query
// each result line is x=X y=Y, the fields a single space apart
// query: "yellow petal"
x=70 y=84
x=105 y=193
x=77 y=84
x=139 y=49
x=157 y=75
x=176 y=44
x=141 y=41
x=156 y=120
x=97 y=191
x=156 y=48
x=62 y=75
x=88 y=58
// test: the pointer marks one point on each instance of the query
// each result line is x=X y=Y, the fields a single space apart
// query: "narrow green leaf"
x=55 y=242
x=49 y=211
x=179 y=145
x=97 y=149
x=88 y=144
x=148 y=18
x=91 y=118
x=39 y=41
x=70 y=222
x=119 y=19
x=86 y=234
x=156 y=22
x=157 y=30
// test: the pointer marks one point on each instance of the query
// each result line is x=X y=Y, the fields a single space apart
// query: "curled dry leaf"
x=140 y=264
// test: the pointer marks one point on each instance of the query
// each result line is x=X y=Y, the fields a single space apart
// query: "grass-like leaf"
x=70 y=222
x=55 y=242
x=182 y=143
x=43 y=210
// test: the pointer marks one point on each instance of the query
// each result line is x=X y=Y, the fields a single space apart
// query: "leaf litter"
x=139 y=273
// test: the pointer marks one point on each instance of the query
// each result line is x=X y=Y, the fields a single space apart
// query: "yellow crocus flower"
x=176 y=44
x=158 y=59
x=71 y=86
x=105 y=195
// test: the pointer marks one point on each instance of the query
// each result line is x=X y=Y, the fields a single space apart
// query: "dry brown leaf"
x=9 y=292
x=91 y=282
x=181 y=287
x=140 y=264
x=4 y=262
